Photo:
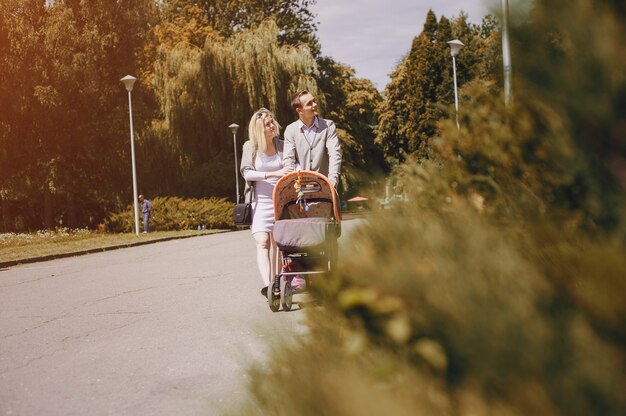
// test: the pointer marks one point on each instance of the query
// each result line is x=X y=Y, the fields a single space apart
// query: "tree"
x=21 y=24
x=392 y=115
x=412 y=117
x=351 y=103
x=489 y=49
x=421 y=90
x=202 y=90
x=63 y=63
x=226 y=17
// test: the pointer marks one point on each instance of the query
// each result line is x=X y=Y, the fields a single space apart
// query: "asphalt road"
x=169 y=328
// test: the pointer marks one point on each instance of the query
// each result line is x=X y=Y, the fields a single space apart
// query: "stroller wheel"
x=273 y=295
x=287 y=295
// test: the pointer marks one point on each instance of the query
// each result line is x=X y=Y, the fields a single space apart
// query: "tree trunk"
x=6 y=215
x=48 y=222
x=71 y=210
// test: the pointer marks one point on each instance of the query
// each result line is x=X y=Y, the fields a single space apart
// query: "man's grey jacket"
x=323 y=155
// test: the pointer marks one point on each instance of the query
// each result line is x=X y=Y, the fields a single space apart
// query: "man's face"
x=308 y=108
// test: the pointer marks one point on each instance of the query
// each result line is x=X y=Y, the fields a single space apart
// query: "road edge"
x=12 y=263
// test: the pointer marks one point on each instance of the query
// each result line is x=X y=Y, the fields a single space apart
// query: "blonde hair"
x=256 y=129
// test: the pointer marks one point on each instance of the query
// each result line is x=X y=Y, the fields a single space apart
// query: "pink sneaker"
x=298 y=282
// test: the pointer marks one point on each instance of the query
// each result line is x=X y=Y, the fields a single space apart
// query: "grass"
x=16 y=247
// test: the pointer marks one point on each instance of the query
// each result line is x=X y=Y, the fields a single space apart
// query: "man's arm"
x=334 y=153
x=289 y=148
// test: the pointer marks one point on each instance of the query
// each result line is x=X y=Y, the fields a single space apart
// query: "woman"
x=261 y=167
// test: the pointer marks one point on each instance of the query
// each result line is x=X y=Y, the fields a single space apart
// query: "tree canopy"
x=62 y=137
x=196 y=18
x=421 y=90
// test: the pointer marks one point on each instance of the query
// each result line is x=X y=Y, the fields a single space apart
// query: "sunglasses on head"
x=262 y=111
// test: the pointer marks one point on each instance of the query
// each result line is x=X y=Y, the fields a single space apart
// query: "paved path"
x=163 y=329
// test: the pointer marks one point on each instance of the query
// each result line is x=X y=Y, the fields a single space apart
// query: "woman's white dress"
x=262 y=204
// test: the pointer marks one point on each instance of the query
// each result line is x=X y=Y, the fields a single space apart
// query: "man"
x=146 y=207
x=312 y=141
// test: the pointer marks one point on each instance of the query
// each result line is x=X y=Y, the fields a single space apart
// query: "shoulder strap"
x=249 y=193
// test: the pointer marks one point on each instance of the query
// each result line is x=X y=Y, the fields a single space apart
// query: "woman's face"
x=269 y=127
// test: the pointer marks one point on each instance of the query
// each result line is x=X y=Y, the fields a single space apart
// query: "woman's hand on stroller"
x=278 y=173
x=281 y=172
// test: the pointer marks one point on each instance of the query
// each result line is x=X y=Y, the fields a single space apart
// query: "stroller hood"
x=318 y=197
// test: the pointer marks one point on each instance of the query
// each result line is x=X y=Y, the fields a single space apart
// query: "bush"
x=443 y=305
x=173 y=213
x=498 y=286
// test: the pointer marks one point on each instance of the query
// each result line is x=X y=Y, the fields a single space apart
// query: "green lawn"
x=50 y=243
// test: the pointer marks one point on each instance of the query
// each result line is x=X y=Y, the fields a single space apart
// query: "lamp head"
x=455 y=47
x=129 y=81
x=233 y=127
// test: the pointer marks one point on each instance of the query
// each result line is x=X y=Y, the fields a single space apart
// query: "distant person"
x=146 y=208
x=261 y=167
x=311 y=142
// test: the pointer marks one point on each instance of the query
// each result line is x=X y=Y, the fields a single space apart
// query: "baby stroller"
x=307 y=226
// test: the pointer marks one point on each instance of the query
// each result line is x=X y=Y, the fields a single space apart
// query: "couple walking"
x=310 y=143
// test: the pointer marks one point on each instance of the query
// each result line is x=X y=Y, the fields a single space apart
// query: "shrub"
x=174 y=213
x=497 y=287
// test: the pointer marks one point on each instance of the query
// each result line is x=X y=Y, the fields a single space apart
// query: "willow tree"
x=203 y=90
x=295 y=20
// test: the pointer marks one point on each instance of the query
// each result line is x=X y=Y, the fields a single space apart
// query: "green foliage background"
x=64 y=139
x=174 y=213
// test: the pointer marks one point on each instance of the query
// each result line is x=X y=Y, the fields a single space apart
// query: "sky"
x=372 y=36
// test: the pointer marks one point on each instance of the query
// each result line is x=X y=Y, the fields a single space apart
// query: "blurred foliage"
x=582 y=74
x=497 y=287
x=174 y=213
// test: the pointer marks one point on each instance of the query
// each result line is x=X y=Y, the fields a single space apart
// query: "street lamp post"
x=455 y=48
x=129 y=81
x=233 y=127
x=506 y=52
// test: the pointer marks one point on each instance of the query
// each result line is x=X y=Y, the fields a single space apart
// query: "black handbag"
x=242 y=214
